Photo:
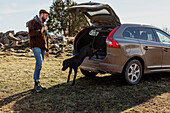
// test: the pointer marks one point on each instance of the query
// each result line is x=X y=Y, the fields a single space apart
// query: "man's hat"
x=43 y=11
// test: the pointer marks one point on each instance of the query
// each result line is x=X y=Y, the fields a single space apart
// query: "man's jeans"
x=39 y=57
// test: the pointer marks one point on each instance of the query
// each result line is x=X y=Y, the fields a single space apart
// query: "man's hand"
x=47 y=54
x=43 y=29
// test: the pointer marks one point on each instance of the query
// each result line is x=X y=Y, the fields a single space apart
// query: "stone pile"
x=10 y=36
x=11 y=41
x=59 y=45
x=19 y=43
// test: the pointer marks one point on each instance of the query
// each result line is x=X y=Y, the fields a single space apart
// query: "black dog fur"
x=76 y=61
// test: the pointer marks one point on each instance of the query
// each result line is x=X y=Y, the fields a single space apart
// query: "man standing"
x=38 y=43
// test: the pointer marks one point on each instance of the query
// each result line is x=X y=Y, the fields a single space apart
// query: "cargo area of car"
x=96 y=36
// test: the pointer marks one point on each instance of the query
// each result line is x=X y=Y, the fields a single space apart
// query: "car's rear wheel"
x=88 y=73
x=133 y=72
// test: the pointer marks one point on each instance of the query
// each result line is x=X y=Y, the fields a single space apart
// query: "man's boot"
x=37 y=86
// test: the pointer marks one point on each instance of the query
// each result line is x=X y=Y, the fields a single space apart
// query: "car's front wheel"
x=133 y=72
x=88 y=73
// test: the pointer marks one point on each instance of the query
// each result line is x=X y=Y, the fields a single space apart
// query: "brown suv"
x=129 y=49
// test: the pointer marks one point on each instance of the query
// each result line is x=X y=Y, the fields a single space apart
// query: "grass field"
x=104 y=93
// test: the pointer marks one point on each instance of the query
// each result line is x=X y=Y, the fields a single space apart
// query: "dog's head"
x=65 y=65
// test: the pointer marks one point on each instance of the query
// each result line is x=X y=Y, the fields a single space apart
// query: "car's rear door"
x=164 y=39
x=151 y=48
x=97 y=13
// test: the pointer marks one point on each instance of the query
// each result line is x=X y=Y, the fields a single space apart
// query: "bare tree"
x=166 y=30
x=62 y=22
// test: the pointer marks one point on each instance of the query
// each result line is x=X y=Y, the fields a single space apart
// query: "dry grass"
x=103 y=93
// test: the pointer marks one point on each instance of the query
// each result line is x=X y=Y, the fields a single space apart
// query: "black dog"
x=76 y=61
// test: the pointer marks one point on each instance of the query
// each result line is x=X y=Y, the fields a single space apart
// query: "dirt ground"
x=104 y=93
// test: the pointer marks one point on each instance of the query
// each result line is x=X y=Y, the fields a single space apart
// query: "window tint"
x=163 y=37
x=146 y=34
x=130 y=32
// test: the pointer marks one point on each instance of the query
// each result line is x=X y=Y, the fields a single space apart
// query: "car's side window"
x=163 y=37
x=130 y=32
x=146 y=34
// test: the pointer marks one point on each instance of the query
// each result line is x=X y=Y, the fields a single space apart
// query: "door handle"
x=166 y=49
x=145 y=47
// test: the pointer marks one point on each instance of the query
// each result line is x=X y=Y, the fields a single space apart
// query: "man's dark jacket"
x=37 y=39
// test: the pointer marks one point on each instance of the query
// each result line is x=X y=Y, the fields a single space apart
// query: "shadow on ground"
x=99 y=94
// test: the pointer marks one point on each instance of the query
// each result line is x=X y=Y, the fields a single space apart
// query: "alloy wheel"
x=133 y=72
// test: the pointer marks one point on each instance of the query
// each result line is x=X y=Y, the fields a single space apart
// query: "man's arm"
x=32 y=31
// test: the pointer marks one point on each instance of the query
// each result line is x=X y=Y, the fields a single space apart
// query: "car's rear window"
x=102 y=11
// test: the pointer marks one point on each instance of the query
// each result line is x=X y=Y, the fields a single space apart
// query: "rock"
x=53 y=52
x=11 y=50
x=1 y=36
x=70 y=41
x=11 y=37
x=53 y=36
x=5 y=50
x=28 y=50
x=69 y=55
x=20 y=37
x=11 y=31
x=64 y=40
x=70 y=47
x=57 y=55
x=22 y=33
x=1 y=45
x=1 y=33
x=24 y=43
x=4 y=39
x=20 y=51
x=61 y=39
x=14 y=43
x=56 y=46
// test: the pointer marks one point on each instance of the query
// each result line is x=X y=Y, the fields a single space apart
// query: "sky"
x=15 y=13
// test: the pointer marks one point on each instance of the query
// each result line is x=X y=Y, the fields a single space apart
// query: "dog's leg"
x=75 y=74
x=68 y=79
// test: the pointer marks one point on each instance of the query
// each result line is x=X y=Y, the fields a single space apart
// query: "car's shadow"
x=99 y=94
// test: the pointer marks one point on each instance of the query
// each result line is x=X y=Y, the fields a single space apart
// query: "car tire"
x=88 y=73
x=133 y=72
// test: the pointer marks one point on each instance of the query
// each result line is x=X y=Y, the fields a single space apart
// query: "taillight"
x=110 y=41
x=78 y=34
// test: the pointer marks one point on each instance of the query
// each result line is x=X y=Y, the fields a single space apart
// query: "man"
x=38 y=44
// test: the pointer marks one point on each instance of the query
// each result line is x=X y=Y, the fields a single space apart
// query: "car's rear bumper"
x=100 y=66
